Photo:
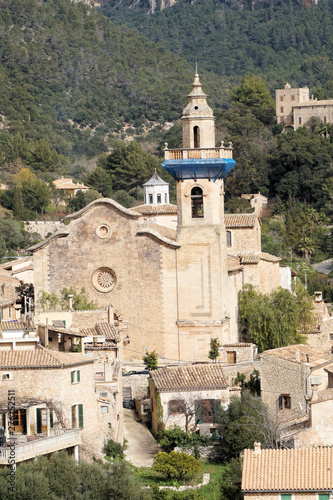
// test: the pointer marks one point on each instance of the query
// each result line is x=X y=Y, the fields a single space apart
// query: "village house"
x=69 y=187
x=257 y=201
x=173 y=287
x=288 y=474
x=62 y=400
x=288 y=377
x=294 y=107
x=8 y=284
x=21 y=268
x=189 y=396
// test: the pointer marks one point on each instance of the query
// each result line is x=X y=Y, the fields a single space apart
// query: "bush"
x=175 y=465
x=171 y=438
x=113 y=449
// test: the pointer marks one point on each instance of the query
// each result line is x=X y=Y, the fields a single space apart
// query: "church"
x=175 y=284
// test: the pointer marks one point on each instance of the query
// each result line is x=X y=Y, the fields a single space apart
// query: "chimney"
x=257 y=448
x=298 y=355
x=318 y=296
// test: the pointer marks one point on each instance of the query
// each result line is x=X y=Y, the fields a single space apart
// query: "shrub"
x=175 y=465
x=171 y=438
x=113 y=449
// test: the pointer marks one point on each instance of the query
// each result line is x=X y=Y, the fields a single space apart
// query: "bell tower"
x=199 y=169
x=198 y=119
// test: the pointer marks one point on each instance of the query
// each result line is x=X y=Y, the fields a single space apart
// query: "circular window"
x=104 y=279
x=196 y=107
x=103 y=231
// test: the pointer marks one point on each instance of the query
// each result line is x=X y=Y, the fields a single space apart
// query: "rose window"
x=104 y=279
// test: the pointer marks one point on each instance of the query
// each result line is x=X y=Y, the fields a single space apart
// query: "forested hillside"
x=283 y=40
x=69 y=76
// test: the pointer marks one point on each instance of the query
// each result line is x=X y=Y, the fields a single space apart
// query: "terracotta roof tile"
x=239 y=220
x=156 y=209
x=167 y=232
x=104 y=329
x=269 y=257
x=17 y=324
x=185 y=378
x=298 y=354
x=249 y=258
x=39 y=358
x=295 y=470
x=6 y=302
x=233 y=263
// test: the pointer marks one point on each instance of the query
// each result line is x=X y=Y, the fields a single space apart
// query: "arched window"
x=229 y=239
x=196 y=136
x=197 y=203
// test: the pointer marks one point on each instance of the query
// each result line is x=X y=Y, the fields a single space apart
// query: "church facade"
x=175 y=287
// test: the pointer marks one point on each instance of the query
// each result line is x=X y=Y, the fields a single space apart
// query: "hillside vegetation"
x=280 y=40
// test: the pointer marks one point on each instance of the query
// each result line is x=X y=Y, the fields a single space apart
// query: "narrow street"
x=141 y=445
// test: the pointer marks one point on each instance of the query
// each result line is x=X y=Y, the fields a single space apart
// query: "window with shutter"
x=80 y=407
x=73 y=417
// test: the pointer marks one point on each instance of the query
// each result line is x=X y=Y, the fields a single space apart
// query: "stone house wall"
x=160 y=406
x=279 y=376
x=245 y=239
x=323 y=339
x=317 y=109
x=55 y=385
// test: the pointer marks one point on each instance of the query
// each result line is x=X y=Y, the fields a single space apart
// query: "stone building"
x=257 y=201
x=173 y=287
x=302 y=474
x=294 y=107
x=288 y=376
x=7 y=295
x=62 y=400
x=189 y=397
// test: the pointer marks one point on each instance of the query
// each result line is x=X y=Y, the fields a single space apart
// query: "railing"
x=61 y=439
x=198 y=153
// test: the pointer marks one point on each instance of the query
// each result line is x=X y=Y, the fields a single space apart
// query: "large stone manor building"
x=176 y=288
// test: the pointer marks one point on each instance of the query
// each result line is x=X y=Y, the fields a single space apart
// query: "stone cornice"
x=103 y=201
x=158 y=237
x=42 y=244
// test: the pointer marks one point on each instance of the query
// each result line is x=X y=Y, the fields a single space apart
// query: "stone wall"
x=279 y=376
x=54 y=385
x=245 y=239
x=138 y=384
x=44 y=227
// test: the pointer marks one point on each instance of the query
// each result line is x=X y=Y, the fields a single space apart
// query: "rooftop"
x=105 y=329
x=39 y=358
x=295 y=470
x=189 y=377
x=156 y=180
x=299 y=353
x=68 y=184
x=240 y=220
x=166 y=208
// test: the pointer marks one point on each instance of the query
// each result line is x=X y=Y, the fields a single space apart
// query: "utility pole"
x=306 y=281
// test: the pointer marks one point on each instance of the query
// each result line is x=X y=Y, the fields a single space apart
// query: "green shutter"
x=39 y=421
x=324 y=496
x=80 y=416
x=72 y=377
x=78 y=376
x=51 y=418
x=286 y=497
x=73 y=416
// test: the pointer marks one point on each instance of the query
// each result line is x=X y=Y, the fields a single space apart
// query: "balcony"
x=58 y=440
x=198 y=153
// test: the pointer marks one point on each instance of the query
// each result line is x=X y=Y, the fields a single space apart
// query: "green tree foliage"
x=60 y=477
x=130 y=166
x=231 y=480
x=150 y=360
x=253 y=94
x=113 y=449
x=176 y=465
x=52 y=301
x=13 y=237
x=245 y=421
x=274 y=320
x=214 y=349
x=170 y=438
x=252 y=385
x=82 y=199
